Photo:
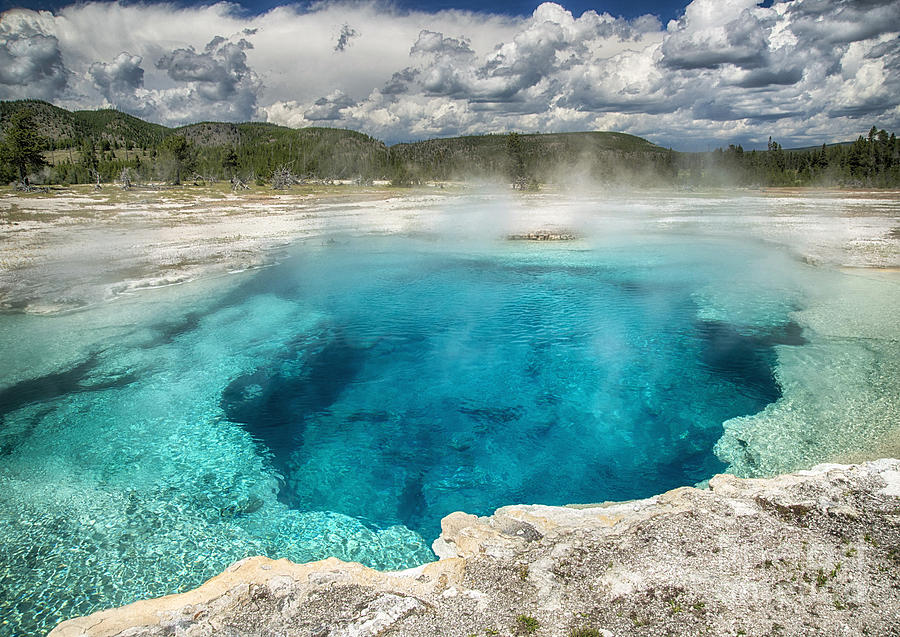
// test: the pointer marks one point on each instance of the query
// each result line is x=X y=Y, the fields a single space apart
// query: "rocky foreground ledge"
x=811 y=553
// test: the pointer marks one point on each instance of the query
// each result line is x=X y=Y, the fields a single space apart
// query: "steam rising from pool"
x=343 y=400
x=435 y=381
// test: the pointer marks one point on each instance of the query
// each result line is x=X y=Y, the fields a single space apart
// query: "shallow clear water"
x=343 y=401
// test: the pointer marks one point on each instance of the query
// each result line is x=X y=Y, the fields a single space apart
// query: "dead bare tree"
x=26 y=186
x=238 y=184
x=202 y=180
x=283 y=178
x=125 y=179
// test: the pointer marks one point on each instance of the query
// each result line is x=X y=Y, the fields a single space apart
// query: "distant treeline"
x=872 y=161
x=84 y=146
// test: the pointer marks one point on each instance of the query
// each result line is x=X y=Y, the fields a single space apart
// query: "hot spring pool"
x=344 y=400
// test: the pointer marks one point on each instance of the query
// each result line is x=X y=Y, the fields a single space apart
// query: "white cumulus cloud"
x=804 y=71
x=31 y=63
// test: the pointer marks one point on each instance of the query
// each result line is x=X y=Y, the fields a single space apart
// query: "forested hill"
x=64 y=129
x=80 y=146
x=107 y=141
x=541 y=157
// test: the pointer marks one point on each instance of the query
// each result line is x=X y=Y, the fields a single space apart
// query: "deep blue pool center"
x=440 y=381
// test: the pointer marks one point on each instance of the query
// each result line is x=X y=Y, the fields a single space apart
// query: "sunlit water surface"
x=344 y=400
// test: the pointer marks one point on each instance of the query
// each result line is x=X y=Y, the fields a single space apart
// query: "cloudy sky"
x=690 y=76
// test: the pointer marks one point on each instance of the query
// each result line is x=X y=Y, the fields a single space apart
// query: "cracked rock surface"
x=810 y=553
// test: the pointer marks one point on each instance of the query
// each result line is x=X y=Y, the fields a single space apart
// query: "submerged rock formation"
x=811 y=553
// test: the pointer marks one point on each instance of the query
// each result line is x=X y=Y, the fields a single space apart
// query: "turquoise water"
x=343 y=401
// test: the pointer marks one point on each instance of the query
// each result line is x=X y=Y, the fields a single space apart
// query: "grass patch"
x=527 y=624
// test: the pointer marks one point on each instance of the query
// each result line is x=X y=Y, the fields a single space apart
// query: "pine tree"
x=230 y=162
x=180 y=151
x=23 y=147
x=515 y=156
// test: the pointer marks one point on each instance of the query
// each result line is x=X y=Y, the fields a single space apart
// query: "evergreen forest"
x=49 y=145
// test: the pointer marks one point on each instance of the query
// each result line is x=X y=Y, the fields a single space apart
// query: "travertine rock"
x=543 y=235
x=811 y=553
